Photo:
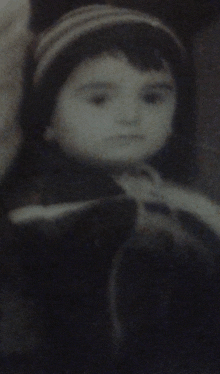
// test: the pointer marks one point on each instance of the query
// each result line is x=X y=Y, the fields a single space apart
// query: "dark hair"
x=146 y=48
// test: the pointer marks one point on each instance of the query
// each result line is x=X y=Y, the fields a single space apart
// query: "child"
x=112 y=257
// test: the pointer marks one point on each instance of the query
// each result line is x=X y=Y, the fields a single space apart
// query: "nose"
x=129 y=112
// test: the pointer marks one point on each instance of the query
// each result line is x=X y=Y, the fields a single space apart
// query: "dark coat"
x=89 y=294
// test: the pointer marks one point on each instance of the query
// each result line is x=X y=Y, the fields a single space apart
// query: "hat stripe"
x=84 y=14
x=67 y=25
x=84 y=20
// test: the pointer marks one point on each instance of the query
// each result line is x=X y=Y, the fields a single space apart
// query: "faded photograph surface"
x=14 y=38
x=110 y=238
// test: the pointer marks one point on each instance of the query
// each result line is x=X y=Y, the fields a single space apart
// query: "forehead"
x=117 y=69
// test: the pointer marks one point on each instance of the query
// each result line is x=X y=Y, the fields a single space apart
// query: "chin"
x=118 y=166
x=110 y=162
x=126 y=162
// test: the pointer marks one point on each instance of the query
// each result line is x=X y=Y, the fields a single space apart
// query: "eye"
x=98 y=99
x=153 y=98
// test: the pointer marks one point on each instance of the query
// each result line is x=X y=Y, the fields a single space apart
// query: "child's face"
x=111 y=112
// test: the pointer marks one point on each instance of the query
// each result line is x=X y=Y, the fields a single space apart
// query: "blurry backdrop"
x=207 y=61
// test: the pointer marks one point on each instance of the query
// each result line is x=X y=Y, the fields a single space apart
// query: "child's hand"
x=197 y=204
x=140 y=188
x=175 y=198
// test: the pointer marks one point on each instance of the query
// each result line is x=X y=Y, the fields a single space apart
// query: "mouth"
x=127 y=137
x=126 y=140
x=133 y=136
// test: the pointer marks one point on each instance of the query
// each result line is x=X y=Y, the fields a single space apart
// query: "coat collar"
x=160 y=204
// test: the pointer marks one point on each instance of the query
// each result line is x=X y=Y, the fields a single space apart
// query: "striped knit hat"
x=82 y=21
x=90 y=30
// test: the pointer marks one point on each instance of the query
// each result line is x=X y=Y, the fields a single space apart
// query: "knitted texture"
x=84 y=20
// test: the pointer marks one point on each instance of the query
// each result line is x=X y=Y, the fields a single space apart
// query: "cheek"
x=158 y=126
x=165 y=112
x=88 y=124
x=159 y=120
x=75 y=130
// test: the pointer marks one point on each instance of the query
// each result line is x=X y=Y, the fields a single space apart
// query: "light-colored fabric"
x=14 y=38
x=144 y=189
x=175 y=197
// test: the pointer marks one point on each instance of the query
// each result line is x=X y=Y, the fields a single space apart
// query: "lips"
x=130 y=137
x=127 y=137
x=125 y=140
